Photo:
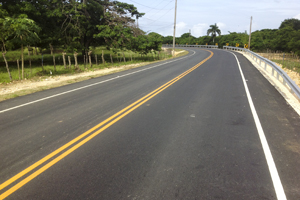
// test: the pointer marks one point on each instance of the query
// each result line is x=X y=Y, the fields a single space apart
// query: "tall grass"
x=289 y=61
x=293 y=65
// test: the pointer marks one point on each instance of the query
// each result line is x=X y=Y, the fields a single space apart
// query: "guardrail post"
x=265 y=66
x=284 y=83
x=259 y=62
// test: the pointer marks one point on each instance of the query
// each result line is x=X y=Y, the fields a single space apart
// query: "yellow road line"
x=38 y=163
x=117 y=117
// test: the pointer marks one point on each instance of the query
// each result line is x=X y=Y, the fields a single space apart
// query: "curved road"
x=177 y=129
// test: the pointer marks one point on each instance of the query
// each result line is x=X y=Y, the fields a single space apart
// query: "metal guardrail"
x=276 y=70
x=199 y=46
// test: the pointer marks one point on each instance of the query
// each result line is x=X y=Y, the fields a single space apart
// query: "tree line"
x=284 y=39
x=73 y=26
x=76 y=26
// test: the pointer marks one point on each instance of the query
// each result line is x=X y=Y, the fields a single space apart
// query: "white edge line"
x=270 y=161
x=32 y=102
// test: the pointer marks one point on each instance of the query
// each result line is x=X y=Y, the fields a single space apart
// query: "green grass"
x=36 y=60
x=289 y=64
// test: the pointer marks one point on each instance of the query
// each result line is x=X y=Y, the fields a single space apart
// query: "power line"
x=159 y=27
x=147 y=6
x=153 y=8
x=161 y=16
x=154 y=20
x=163 y=8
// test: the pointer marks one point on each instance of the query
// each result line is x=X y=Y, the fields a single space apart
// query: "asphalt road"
x=179 y=129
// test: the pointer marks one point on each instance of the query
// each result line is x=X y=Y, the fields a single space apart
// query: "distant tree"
x=185 y=35
x=168 y=40
x=288 y=36
x=187 y=38
x=294 y=43
x=294 y=23
x=213 y=31
x=283 y=37
x=204 y=40
x=156 y=35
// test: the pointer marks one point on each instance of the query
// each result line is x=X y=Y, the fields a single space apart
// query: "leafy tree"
x=3 y=12
x=283 y=37
x=213 y=31
x=43 y=13
x=22 y=31
x=294 y=43
x=73 y=23
x=116 y=37
x=263 y=39
x=140 y=44
x=3 y=35
x=118 y=29
x=154 y=41
x=77 y=21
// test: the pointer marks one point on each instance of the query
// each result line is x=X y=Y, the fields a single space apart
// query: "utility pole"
x=190 y=37
x=250 y=33
x=174 y=28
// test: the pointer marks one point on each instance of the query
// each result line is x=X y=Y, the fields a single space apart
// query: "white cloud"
x=297 y=16
x=181 y=29
x=194 y=15
x=222 y=27
x=199 y=30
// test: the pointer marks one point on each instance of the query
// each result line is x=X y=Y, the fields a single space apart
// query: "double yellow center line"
x=83 y=138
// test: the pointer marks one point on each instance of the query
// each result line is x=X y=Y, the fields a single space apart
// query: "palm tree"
x=214 y=30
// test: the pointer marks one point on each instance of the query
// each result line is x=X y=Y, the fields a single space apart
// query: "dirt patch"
x=177 y=51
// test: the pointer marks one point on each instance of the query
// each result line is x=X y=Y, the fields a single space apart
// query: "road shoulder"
x=291 y=99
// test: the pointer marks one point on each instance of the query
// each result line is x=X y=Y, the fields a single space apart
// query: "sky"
x=229 y=15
